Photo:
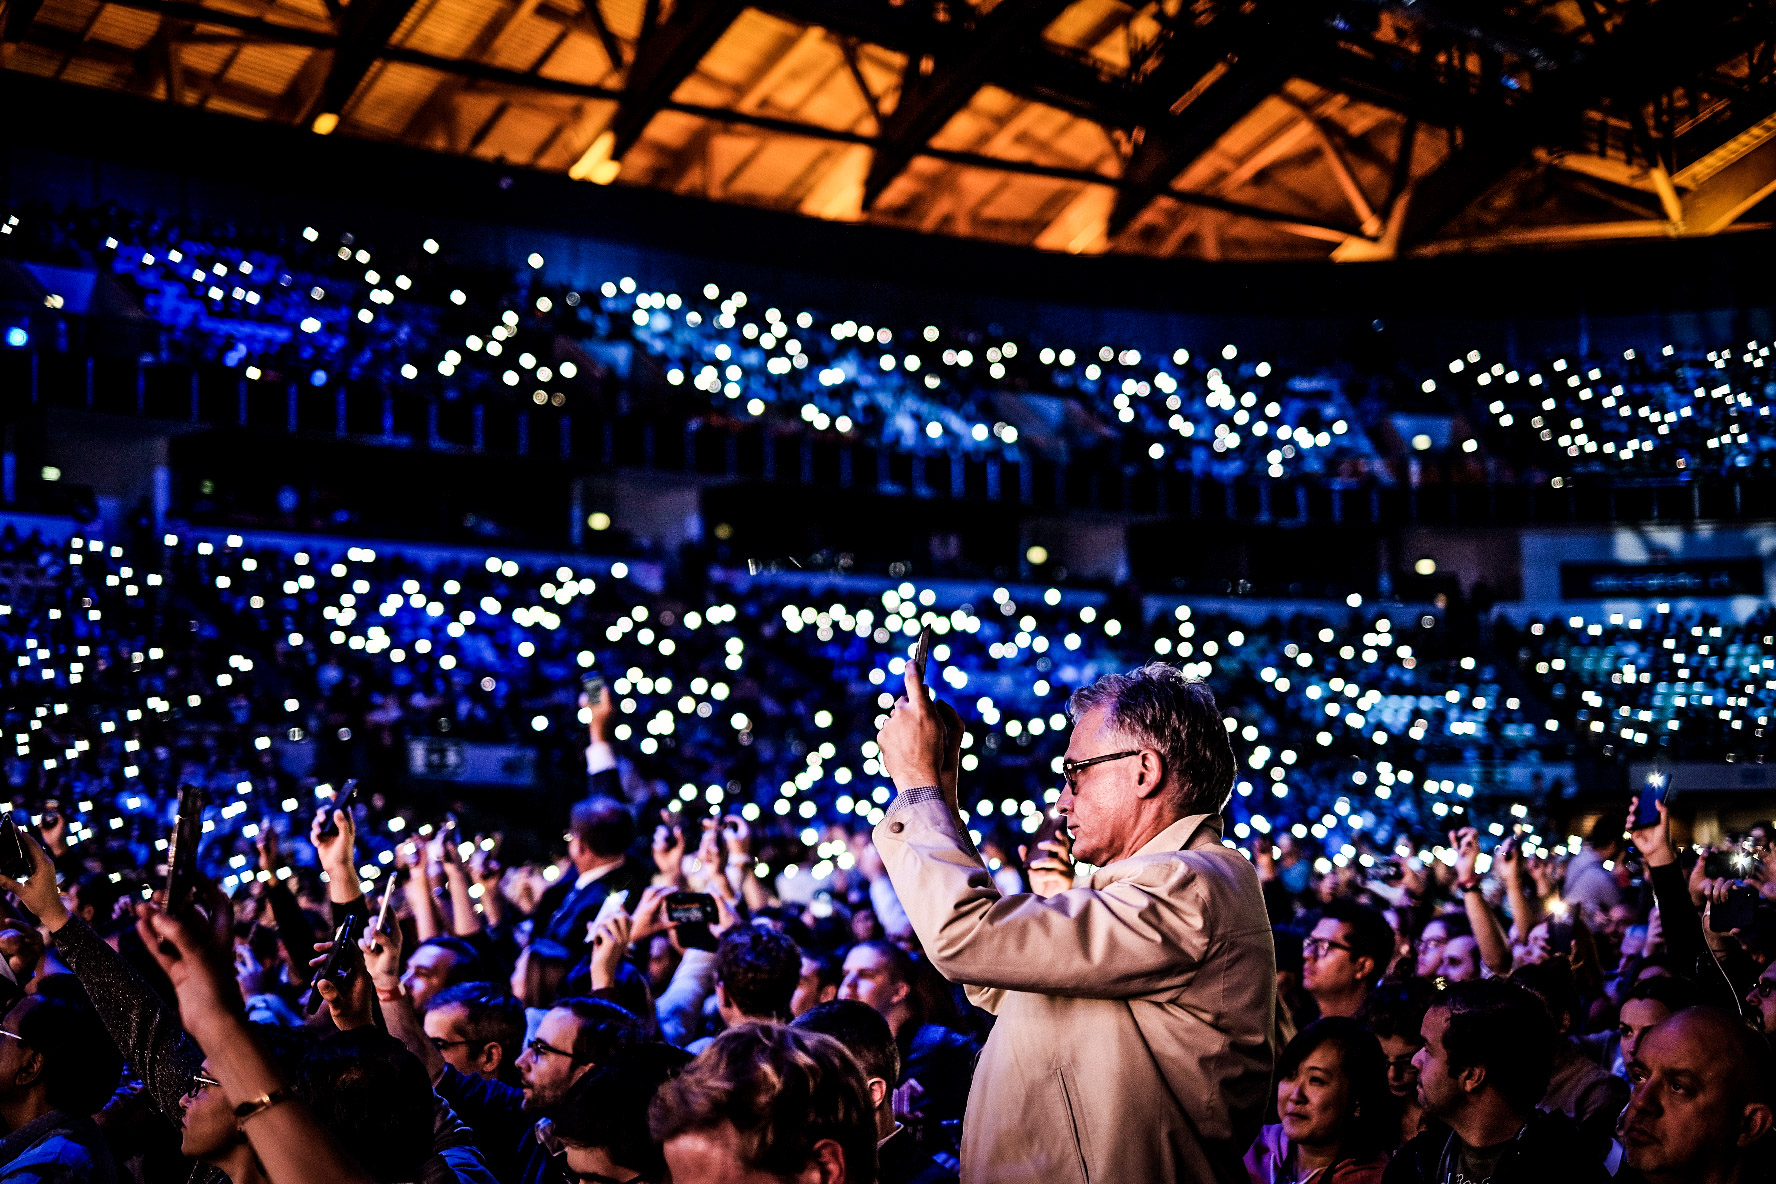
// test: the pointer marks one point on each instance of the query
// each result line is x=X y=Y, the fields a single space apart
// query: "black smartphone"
x=343 y=800
x=1646 y=810
x=592 y=686
x=181 y=876
x=1737 y=911
x=1388 y=872
x=922 y=652
x=1724 y=865
x=692 y=908
x=338 y=966
x=1560 y=935
x=693 y=913
x=15 y=861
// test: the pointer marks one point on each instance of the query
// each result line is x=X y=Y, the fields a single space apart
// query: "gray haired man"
x=1134 y=1010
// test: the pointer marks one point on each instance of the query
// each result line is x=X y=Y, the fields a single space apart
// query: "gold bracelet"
x=261 y=1104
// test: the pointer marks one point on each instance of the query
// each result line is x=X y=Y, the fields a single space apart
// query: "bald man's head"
x=1704 y=1094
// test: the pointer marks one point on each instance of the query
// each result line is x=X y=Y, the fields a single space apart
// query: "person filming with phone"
x=1134 y=1011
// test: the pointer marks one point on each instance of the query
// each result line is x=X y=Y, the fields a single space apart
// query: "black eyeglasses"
x=201 y=1082
x=542 y=1049
x=1319 y=947
x=439 y=1043
x=1070 y=769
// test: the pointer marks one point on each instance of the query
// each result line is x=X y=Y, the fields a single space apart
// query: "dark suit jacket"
x=568 y=922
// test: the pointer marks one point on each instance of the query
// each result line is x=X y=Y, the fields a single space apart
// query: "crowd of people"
x=658 y=1009
x=1663 y=412
x=331 y=309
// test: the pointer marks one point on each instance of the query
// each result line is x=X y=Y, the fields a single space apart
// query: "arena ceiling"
x=1213 y=129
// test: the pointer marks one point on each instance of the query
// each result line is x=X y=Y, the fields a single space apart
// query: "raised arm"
x=338 y=854
x=382 y=959
x=1489 y=935
x=291 y=1146
x=1679 y=919
x=144 y=1028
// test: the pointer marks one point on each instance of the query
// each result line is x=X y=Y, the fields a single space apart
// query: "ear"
x=30 y=1068
x=1151 y=776
x=828 y=994
x=1364 y=966
x=1472 y=1080
x=878 y=1091
x=721 y=995
x=1754 y=1124
x=492 y=1053
x=826 y=1164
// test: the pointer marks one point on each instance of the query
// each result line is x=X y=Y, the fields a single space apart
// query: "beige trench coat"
x=1134 y=1011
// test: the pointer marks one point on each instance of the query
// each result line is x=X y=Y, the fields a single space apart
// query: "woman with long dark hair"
x=1336 y=1119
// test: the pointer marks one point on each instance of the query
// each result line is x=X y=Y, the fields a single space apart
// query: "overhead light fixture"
x=325 y=122
x=596 y=165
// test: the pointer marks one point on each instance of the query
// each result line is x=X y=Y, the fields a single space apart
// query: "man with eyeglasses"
x=573 y=1037
x=1351 y=946
x=1134 y=1010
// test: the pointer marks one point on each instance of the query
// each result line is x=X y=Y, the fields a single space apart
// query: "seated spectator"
x=1335 y=1122
x=601 y=1125
x=1350 y=948
x=57 y=1068
x=1434 y=940
x=1577 y=1087
x=756 y=973
x=765 y=1104
x=936 y=1063
x=866 y=1036
x=1395 y=1013
x=1488 y=1051
x=440 y=962
x=1702 y=1105
x=477 y=1030
x=819 y=983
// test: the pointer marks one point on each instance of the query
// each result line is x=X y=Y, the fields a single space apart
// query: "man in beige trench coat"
x=1134 y=1010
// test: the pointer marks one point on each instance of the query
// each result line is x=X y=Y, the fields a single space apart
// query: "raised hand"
x=599 y=714
x=202 y=976
x=610 y=941
x=669 y=848
x=1051 y=870
x=38 y=891
x=737 y=836
x=649 y=916
x=337 y=851
x=55 y=832
x=1466 y=842
x=915 y=741
x=271 y=857
x=382 y=956
x=349 y=1002
x=1653 y=842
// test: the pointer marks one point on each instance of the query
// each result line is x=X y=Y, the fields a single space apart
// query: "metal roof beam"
x=937 y=85
x=364 y=31
x=668 y=54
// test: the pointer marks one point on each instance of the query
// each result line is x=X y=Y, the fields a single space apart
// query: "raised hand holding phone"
x=1651 y=838
x=915 y=738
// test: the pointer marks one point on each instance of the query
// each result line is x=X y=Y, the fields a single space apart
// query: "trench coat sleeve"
x=1138 y=936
